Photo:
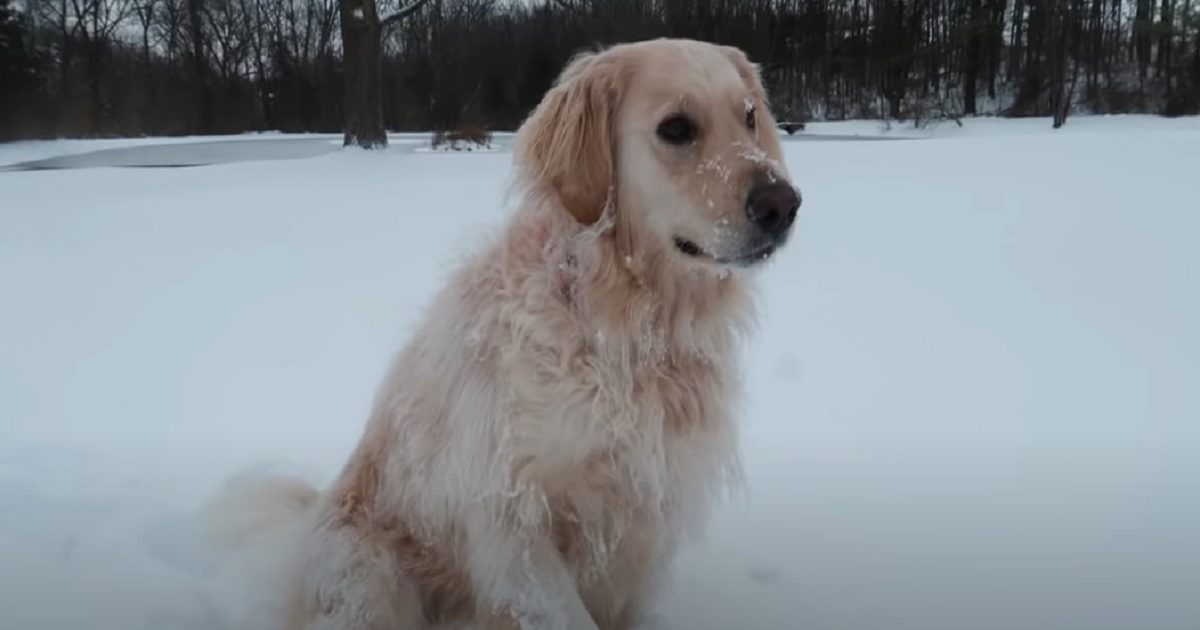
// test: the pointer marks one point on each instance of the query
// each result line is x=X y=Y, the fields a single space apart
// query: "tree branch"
x=402 y=12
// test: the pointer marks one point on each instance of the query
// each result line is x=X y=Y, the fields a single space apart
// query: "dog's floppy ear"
x=568 y=143
x=751 y=75
x=750 y=72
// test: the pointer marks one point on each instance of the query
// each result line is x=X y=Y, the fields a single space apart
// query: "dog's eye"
x=751 y=121
x=677 y=130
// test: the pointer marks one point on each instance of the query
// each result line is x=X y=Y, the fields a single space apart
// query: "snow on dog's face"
x=677 y=136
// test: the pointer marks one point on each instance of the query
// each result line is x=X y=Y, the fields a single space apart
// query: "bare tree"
x=362 y=42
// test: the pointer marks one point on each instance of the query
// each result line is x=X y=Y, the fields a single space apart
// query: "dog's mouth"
x=753 y=256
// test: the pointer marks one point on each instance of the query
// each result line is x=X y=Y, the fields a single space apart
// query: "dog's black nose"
x=772 y=207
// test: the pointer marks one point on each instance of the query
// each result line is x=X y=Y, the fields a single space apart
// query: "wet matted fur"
x=565 y=414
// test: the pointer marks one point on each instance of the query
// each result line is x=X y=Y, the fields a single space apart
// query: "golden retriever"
x=565 y=414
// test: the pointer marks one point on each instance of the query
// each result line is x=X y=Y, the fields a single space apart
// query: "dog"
x=565 y=415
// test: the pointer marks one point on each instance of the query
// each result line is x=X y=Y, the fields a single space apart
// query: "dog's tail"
x=251 y=511
x=259 y=528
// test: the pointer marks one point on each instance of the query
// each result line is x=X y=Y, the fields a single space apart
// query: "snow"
x=972 y=401
x=183 y=150
x=994 y=126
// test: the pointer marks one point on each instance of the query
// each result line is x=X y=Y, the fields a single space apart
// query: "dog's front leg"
x=521 y=580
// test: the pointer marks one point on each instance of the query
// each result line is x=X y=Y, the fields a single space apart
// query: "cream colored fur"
x=565 y=416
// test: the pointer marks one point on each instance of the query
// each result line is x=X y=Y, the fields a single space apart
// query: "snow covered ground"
x=974 y=400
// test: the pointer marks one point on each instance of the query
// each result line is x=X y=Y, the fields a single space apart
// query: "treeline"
x=131 y=67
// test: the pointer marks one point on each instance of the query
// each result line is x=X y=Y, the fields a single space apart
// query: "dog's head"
x=678 y=135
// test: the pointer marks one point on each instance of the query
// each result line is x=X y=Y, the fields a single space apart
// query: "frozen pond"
x=257 y=149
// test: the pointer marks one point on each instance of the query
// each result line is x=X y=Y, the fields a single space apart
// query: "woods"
x=160 y=67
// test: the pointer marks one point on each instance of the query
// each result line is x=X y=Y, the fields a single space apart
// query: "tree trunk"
x=93 y=66
x=1142 y=43
x=203 y=95
x=362 y=102
x=973 y=58
x=1060 y=31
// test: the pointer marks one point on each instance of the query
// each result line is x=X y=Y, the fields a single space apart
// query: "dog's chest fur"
x=626 y=449
x=603 y=419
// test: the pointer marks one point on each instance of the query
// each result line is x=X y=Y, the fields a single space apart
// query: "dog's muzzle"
x=772 y=208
